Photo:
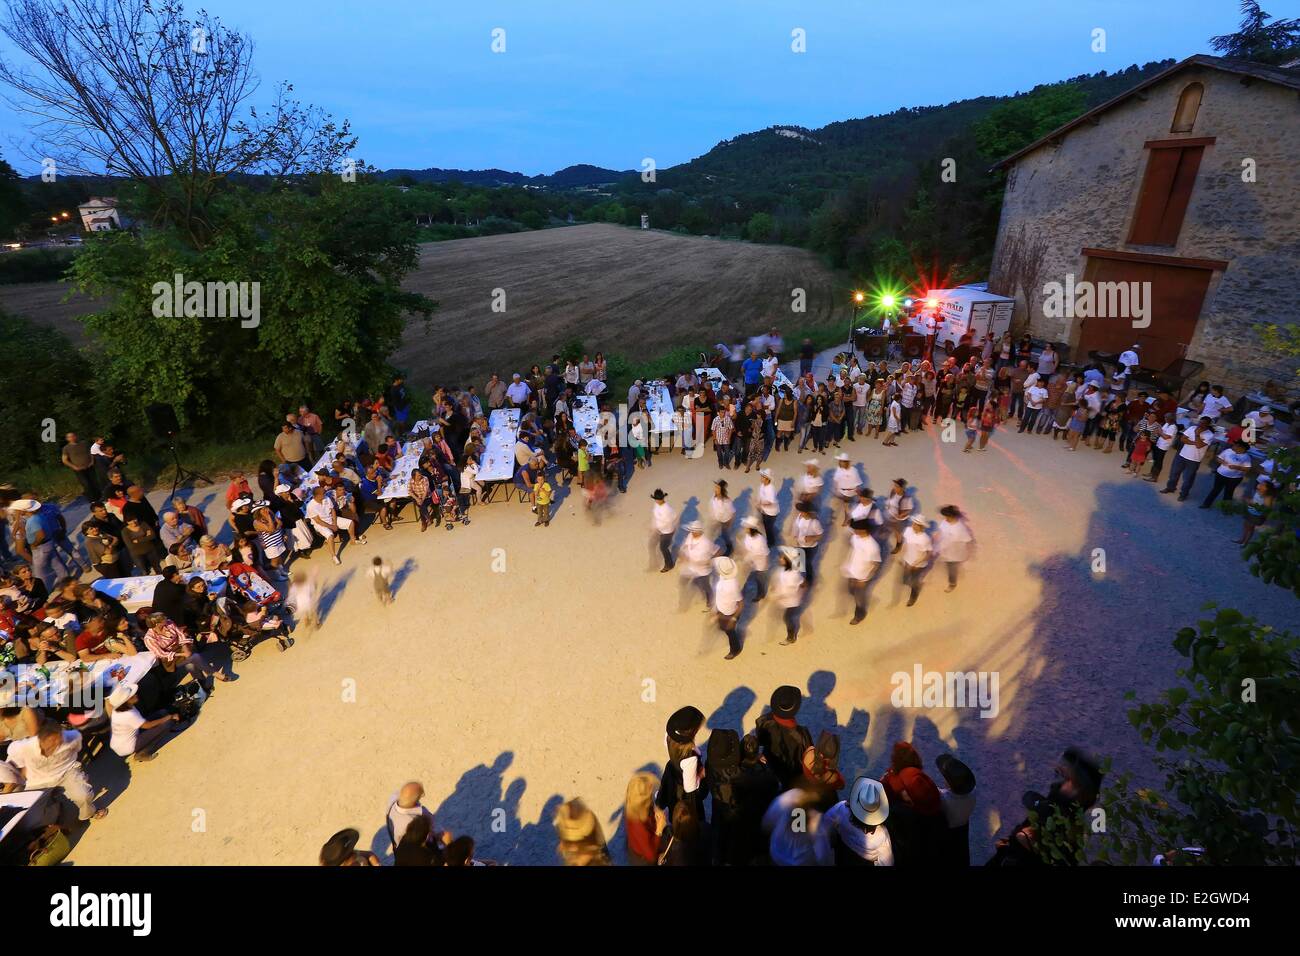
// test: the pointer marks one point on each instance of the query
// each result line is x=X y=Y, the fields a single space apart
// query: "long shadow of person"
x=408 y=568
x=330 y=596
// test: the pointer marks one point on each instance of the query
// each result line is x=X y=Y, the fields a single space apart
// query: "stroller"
x=242 y=626
x=450 y=511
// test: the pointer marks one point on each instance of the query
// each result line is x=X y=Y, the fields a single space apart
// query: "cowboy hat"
x=693 y=526
x=574 y=821
x=786 y=700
x=725 y=567
x=684 y=724
x=868 y=802
x=339 y=847
x=749 y=521
x=957 y=775
x=765 y=472
x=121 y=694
x=920 y=519
x=843 y=456
x=26 y=504
x=659 y=494
x=281 y=488
x=812 y=462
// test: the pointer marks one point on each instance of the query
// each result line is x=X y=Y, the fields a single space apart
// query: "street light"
x=858 y=298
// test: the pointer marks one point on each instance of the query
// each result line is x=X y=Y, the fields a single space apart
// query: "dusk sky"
x=607 y=83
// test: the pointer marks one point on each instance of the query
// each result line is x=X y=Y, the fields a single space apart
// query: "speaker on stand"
x=165 y=426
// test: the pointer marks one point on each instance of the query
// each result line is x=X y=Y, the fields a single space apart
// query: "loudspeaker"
x=872 y=346
x=162 y=419
x=913 y=346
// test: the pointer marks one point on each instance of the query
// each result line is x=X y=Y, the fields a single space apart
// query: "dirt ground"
x=522 y=666
x=625 y=291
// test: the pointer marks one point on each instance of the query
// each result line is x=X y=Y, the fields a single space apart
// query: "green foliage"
x=760 y=228
x=35 y=265
x=13 y=204
x=1260 y=37
x=1226 y=742
x=329 y=262
x=43 y=378
x=1018 y=122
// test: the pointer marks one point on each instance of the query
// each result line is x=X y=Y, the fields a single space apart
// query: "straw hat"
x=574 y=821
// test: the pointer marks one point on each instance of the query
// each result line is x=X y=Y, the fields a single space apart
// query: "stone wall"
x=1083 y=193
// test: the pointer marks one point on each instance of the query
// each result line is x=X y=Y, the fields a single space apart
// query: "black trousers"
x=1227 y=486
x=769 y=528
x=666 y=549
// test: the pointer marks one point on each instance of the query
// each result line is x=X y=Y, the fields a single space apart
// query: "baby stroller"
x=243 y=625
x=449 y=510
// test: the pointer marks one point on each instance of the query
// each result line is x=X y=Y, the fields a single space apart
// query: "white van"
x=964 y=310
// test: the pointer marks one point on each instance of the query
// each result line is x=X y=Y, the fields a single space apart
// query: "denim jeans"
x=1186 y=469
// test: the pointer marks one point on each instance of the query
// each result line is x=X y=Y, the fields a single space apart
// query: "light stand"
x=183 y=474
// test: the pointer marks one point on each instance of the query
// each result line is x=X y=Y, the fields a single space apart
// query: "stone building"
x=1168 y=217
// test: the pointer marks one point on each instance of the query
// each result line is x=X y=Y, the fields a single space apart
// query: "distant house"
x=1188 y=182
x=99 y=214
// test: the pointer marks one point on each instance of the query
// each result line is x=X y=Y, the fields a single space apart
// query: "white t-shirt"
x=952 y=540
x=1215 y=405
x=864 y=557
x=1229 y=457
x=321 y=512
x=1034 y=397
x=767 y=498
x=754 y=546
x=723 y=509
x=726 y=596
x=518 y=392
x=846 y=481
x=1189 y=449
x=664 y=518
x=1167 y=432
x=787 y=591
x=42 y=771
x=126 y=724
x=697 y=556
x=807 y=531
x=811 y=484
x=916 y=547
x=861 y=394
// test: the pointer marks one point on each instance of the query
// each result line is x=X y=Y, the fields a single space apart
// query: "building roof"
x=1246 y=69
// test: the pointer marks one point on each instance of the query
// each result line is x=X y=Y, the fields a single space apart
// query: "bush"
x=35 y=265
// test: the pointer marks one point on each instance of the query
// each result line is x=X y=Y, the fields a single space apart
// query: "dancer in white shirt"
x=953 y=541
x=755 y=551
x=915 y=554
x=861 y=565
x=767 y=504
x=663 y=523
x=728 y=602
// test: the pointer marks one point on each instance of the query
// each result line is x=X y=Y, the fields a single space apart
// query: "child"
x=972 y=426
x=1138 y=456
x=1078 y=422
x=469 y=484
x=584 y=463
x=1257 y=509
x=988 y=421
x=1004 y=405
x=381 y=574
x=303 y=593
x=543 y=494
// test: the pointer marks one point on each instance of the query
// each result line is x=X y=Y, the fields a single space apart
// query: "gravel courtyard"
x=522 y=666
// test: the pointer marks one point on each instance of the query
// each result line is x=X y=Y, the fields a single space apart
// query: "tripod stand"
x=183 y=474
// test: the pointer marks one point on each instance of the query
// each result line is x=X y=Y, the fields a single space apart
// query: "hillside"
x=571 y=177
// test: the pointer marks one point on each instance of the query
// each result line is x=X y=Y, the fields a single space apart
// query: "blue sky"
x=609 y=82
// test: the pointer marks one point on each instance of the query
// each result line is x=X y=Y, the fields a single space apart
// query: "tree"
x=760 y=228
x=327 y=266
x=1018 y=122
x=13 y=204
x=1259 y=39
x=1227 y=743
x=136 y=89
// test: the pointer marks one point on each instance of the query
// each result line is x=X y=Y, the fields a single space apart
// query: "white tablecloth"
x=135 y=593
x=586 y=422
x=49 y=686
x=399 y=480
x=498 y=462
x=659 y=402
x=326 y=462
x=712 y=375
